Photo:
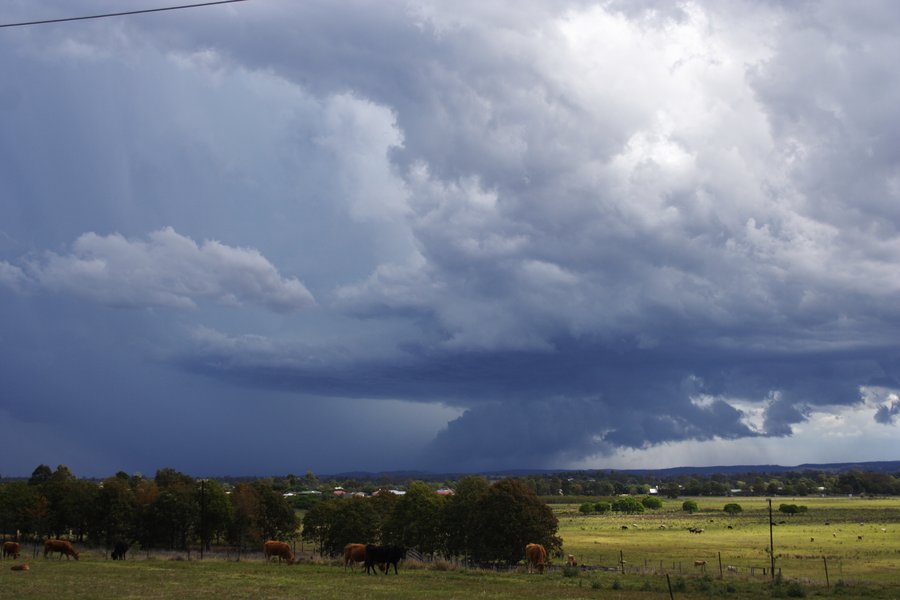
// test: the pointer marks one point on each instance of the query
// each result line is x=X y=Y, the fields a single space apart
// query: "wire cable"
x=119 y=14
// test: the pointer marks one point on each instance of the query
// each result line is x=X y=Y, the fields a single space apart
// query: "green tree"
x=244 y=527
x=652 y=502
x=417 y=520
x=115 y=513
x=732 y=508
x=215 y=511
x=459 y=515
x=689 y=506
x=602 y=507
x=509 y=516
x=277 y=518
x=627 y=505
x=18 y=505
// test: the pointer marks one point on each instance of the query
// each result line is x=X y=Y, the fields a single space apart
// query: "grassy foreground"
x=97 y=578
x=655 y=545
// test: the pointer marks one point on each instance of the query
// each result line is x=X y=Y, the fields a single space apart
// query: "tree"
x=652 y=502
x=417 y=519
x=627 y=505
x=732 y=508
x=689 y=506
x=18 y=505
x=245 y=515
x=459 y=515
x=215 y=510
x=602 y=507
x=335 y=523
x=115 y=513
x=509 y=516
x=277 y=518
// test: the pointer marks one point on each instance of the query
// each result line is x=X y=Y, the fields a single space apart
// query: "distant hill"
x=889 y=466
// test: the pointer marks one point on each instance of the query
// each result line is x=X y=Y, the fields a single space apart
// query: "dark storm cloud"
x=597 y=226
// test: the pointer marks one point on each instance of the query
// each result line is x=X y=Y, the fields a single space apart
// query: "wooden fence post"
x=827 y=583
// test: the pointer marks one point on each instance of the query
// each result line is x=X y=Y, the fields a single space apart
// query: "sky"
x=270 y=237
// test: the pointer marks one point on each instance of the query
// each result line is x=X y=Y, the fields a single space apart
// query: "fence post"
x=622 y=561
x=669 y=581
x=827 y=583
x=721 y=575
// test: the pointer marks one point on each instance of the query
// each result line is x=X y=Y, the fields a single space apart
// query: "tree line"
x=172 y=510
x=480 y=522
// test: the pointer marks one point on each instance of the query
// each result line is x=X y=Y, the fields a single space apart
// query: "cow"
x=280 y=549
x=571 y=561
x=388 y=555
x=120 y=548
x=535 y=557
x=10 y=549
x=61 y=546
x=701 y=564
x=354 y=553
x=22 y=567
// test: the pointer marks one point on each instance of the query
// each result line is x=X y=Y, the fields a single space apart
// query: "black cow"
x=119 y=550
x=387 y=555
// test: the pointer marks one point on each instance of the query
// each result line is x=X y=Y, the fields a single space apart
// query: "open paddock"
x=858 y=539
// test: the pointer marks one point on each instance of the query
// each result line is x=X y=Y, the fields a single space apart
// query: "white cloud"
x=167 y=270
x=12 y=276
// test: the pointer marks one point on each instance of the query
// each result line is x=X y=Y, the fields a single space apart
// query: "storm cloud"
x=604 y=227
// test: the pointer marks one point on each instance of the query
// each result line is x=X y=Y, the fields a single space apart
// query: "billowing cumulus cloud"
x=168 y=270
x=606 y=227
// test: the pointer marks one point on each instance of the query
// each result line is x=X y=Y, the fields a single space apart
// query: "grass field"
x=866 y=568
x=827 y=534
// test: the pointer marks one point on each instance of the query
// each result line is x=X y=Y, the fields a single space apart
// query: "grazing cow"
x=10 y=549
x=354 y=553
x=732 y=569
x=61 y=546
x=571 y=561
x=22 y=567
x=535 y=557
x=387 y=555
x=280 y=549
x=120 y=548
x=700 y=563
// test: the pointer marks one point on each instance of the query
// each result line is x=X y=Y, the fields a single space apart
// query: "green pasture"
x=828 y=534
x=656 y=544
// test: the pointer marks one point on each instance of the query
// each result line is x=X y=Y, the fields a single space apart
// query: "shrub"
x=652 y=503
x=733 y=508
x=571 y=571
x=586 y=508
x=602 y=507
x=689 y=506
x=628 y=505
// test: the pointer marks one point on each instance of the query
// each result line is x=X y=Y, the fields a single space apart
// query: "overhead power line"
x=119 y=14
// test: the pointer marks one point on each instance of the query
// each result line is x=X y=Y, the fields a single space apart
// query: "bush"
x=571 y=571
x=602 y=507
x=689 y=506
x=733 y=508
x=628 y=505
x=586 y=508
x=652 y=503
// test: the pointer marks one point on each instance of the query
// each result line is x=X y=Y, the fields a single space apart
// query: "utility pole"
x=202 y=516
x=771 y=541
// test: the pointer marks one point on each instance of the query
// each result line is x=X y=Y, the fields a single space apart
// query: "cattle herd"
x=370 y=555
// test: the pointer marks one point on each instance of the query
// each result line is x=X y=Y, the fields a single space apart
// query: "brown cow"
x=354 y=553
x=535 y=557
x=22 y=567
x=10 y=549
x=61 y=546
x=571 y=561
x=280 y=549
